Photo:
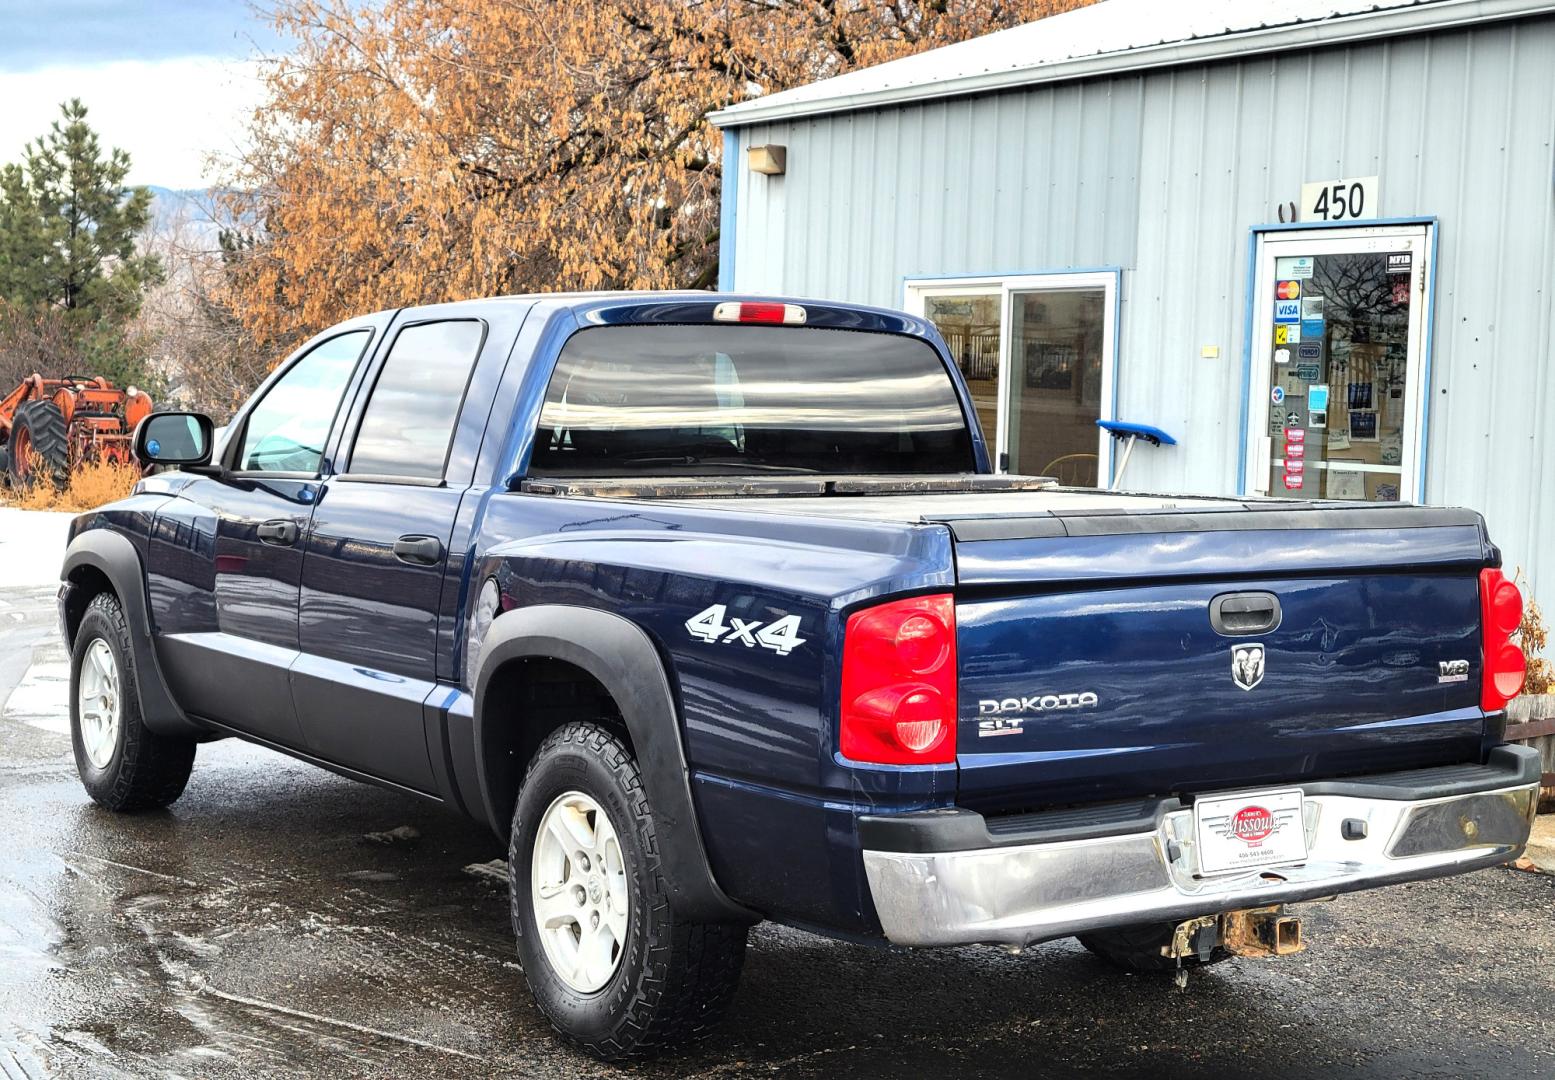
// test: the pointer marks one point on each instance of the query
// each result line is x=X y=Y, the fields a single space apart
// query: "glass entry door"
x=1037 y=353
x=1336 y=405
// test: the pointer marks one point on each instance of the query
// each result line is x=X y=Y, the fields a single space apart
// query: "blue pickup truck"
x=713 y=608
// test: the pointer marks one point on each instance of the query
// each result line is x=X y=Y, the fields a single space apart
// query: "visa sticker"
x=1287 y=311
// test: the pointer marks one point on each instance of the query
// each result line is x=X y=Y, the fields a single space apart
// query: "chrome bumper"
x=1022 y=893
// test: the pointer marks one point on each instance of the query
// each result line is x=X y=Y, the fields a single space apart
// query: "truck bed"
x=1089 y=665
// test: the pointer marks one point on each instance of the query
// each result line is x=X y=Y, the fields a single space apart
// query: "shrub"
x=90 y=486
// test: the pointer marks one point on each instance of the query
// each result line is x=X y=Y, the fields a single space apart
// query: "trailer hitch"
x=1258 y=932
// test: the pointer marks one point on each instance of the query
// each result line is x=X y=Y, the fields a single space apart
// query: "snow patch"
x=37 y=698
x=32 y=546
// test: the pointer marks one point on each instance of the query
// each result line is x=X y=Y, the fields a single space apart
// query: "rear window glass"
x=410 y=416
x=721 y=400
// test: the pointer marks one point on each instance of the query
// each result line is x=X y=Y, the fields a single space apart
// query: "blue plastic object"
x=1122 y=429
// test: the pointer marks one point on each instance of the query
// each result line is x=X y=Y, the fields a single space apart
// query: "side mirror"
x=174 y=438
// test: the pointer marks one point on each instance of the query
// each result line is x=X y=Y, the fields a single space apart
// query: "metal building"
x=1311 y=239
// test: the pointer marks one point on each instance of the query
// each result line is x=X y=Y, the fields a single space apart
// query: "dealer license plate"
x=1249 y=831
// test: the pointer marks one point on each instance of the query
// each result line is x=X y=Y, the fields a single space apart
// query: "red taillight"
x=759 y=312
x=1500 y=614
x=899 y=683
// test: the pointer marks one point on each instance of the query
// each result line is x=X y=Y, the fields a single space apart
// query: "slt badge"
x=1247 y=665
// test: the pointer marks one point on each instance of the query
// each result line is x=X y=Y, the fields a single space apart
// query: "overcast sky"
x=169 y=81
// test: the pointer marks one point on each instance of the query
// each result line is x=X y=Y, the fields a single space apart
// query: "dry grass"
x=1533 y=635
x=92 y=485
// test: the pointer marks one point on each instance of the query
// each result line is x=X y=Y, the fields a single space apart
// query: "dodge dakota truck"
x=713 y=609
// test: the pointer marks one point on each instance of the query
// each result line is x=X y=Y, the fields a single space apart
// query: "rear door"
x=1122 y=657
x=374 y=568
x=226 y=559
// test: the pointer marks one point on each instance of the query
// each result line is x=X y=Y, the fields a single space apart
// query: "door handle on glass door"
x=281 y=533
x=419 y=550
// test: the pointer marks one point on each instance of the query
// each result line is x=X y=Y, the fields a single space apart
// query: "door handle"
x=419 y=550
x=281 y=533
x=1238 y=614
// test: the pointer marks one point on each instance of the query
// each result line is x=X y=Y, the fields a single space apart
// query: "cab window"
x=286 y=430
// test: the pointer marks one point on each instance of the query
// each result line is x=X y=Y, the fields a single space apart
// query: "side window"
x=285 y=431
x=409 y=422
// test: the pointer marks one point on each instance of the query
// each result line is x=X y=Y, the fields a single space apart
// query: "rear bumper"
x=952 y=877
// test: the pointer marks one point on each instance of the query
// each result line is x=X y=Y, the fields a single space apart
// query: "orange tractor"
x=52 y=426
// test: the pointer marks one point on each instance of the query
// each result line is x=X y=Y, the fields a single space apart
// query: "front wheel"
x=611 y=965
x=123 y=765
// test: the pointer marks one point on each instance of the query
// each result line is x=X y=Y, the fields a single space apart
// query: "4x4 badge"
x=1247 y=665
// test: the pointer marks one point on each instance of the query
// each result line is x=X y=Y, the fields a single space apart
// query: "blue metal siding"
x=1164 y=173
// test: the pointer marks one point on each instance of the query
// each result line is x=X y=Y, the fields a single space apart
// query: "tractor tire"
x=39 y=436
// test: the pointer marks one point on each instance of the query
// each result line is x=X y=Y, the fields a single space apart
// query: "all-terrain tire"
x=39 y=437
x=674 y=978
x=145 y=770
x=1138 y=948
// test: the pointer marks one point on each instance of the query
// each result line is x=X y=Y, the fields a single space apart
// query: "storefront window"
x=969 y=323
x=1055 y=389
x=1045 y=342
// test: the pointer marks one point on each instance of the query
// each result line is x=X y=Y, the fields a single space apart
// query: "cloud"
x=83 y=32
x=169 y=115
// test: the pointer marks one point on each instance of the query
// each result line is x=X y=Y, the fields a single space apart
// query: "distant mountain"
x=193 y=213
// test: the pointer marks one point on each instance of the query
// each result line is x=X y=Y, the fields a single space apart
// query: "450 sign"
x=780 y=635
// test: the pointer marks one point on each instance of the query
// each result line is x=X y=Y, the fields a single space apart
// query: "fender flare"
x=619 y=654
x=114 y=556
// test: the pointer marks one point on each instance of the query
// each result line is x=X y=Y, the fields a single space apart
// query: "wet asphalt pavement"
x=282 y=921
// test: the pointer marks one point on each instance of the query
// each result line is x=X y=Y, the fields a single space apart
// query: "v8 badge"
x=780 y=635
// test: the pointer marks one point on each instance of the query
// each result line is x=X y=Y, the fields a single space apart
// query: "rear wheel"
x=611 y=965
x=40 y=445
x=1142 y=948
x=123 y=765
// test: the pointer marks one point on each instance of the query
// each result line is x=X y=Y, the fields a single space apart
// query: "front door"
x=1338 y=369
x=226 y=559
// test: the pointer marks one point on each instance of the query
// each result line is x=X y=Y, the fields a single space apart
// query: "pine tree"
x=68 y=233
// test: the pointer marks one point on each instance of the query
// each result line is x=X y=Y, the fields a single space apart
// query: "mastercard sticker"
x=1288 y=290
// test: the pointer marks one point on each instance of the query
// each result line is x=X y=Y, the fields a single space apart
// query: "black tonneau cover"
x=1220 y=517
x=702 y=487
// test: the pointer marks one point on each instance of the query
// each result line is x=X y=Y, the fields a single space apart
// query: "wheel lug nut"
x=594 y=921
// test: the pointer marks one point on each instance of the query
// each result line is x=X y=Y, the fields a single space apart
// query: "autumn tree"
x=199 y=348
x=411 y=151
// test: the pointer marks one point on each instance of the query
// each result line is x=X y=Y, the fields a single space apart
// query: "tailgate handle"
x=1238 y=614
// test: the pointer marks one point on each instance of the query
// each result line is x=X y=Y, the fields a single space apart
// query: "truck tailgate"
x=1091 y=667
